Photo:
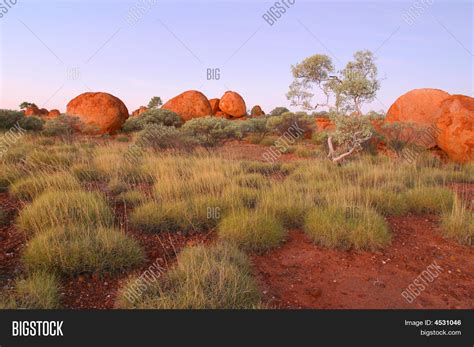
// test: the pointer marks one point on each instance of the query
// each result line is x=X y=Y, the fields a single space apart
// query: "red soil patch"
x=11 y=243
x=300 y=274
x=92 y=291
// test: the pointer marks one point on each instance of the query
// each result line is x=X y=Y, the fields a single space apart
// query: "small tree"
x=346 y=91
x=350 y=134
x=24 y=105
x=359 y=83
x=155 y=103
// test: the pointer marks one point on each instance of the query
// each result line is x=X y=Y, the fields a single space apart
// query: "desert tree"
x=351 y=133
x=359 y=83
x=348 y=90
x=311 y=74
x=25 y=105
x=155 y=102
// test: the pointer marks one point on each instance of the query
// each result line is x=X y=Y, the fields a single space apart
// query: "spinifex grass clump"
x=70 y=250
x=39 y=290
x=356 y=227
x=458 y=223
x=75 y=208
x=29 y=187
x=215 y=277
x=252 y=230
x=429 y=199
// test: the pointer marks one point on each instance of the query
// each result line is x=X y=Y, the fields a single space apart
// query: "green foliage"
x=278 y=111
x=62 y=126
x=256 y=126
x=31 y=123
x=25 y=105
x=294 y=125
x=153 y=116
x=9 y=118
x=355 y=84
x=216 y=277
x=71 y=250
x=210 y=131
x=350 y=134
x=165 y=137
x=154 y=103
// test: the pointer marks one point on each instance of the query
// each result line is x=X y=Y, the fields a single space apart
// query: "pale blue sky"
x=173 y=43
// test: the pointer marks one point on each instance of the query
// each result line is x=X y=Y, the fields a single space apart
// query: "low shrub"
x=71 y=250
x=160 y=137
x=161 y=117
x=218 y=277
x=31 y=123
x=74 y=208
x=251 y=230
x=278 y=111
x=62 y=126
x=348 y=227
x=210 y=131
x=9 y=118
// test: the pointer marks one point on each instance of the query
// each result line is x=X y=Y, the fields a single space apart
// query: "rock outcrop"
x=233 y=104
x=190 y=104
x=420 y=107
x=100 y=112
x=455 y=128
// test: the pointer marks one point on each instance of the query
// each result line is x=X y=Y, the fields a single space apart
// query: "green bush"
x=295 y=124
x=278 y=111
x=71 y=250
x=219 y=277
x=164 y=137
x=62 y=126
x=154 y=116
x=210 y=131
x=9 y=118
x=253 y=230
x=32 y=123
